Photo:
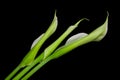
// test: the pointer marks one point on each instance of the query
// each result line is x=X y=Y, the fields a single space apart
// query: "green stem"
x=13 y=73
x=17 y=77
x=25 y=70
x=36 y=68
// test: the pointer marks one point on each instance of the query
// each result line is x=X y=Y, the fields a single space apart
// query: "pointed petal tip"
x=81 y=20
x=55 y=16
x=55 y=11
x=107 y=13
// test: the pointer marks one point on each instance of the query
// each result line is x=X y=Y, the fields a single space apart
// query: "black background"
x=22 y=22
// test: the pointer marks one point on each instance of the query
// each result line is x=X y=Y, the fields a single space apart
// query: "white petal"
x=36 y=40
x=75 y=38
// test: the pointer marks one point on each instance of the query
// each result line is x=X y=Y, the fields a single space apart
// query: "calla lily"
x=72 y=43
x=81 y=39
x=51 y=52
x=48 y=51
x=29 y=58
x=54 y=45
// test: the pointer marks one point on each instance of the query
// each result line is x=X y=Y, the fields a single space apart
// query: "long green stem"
x=13 y=73
x=17 y=77
x=25 y=70
x=36 y=68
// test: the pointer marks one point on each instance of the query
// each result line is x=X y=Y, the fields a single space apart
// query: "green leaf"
x=29 y=58
x=54 y=45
